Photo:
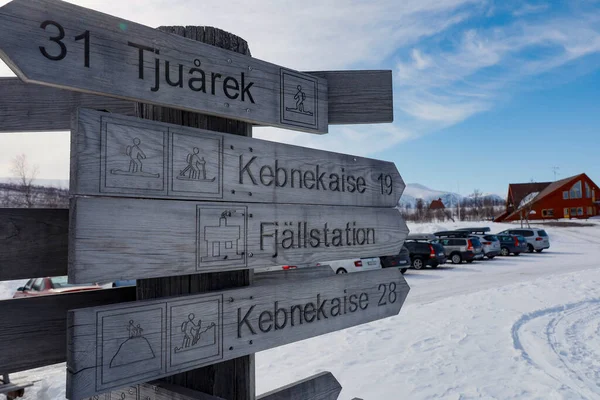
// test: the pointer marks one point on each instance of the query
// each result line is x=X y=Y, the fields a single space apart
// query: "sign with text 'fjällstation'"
x=55 y=43
x=129 y=157
x=119 y=238
x=124 y=344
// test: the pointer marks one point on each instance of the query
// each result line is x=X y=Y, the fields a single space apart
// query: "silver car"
x=491 y=243
x=537 y=239
x=460 y=246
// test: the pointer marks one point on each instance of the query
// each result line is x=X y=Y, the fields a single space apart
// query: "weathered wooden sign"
x=30 y=108
x=154 y=391
x=115 y=346
x=321 y=386
x=59 y=44
x=355 y=97
x=124 y=156
x=115 y=238
x=24 y=348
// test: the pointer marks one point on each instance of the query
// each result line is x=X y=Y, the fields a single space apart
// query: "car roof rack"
x=459 y=234
x=476 y=230
x=421 y=237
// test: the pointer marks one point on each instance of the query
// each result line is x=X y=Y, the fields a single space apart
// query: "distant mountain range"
x=416 y=191
x=412 y=192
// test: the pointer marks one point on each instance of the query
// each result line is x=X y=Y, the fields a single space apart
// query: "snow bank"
x=513 y=327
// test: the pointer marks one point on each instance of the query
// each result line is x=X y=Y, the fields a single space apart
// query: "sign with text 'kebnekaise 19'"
x=129 y=157
x=119 y=238
x=120 y=345
x=51 y=42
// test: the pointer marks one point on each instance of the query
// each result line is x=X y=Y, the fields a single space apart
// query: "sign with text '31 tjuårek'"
x=54 y=43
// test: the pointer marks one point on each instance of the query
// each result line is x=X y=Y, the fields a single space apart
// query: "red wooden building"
x=437 y=205
x=573 y=197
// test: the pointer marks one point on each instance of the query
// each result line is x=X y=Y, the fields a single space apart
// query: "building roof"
x=518 y=191
x=550 y=188
x=437 y=204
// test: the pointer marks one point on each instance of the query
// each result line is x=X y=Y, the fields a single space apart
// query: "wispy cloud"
x=527 y=9
x=450 y=85
x=451 y=59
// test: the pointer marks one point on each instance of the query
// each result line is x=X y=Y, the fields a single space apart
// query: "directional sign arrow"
x=355 y=97
x=126 y=156
x=58 y=44
x=120 y=345
x=116 y=238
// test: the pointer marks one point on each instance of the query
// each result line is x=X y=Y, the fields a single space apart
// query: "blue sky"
x=485 y=92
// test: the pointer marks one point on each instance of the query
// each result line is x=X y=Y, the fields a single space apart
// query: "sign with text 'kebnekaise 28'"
x=130 y=157
x=120 y=345
x=119 y=238
x=55 y=43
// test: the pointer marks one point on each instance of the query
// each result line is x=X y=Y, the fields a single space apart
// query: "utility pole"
x=458 y=199
x=555 y=170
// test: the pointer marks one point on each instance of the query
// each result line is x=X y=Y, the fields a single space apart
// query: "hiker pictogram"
x=194 y=336
x=195 y=169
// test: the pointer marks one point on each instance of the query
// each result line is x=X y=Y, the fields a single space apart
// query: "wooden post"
x=234 y=379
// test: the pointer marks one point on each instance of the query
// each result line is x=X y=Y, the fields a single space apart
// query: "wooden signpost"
x=355 y=97
x=116 y=238
x=123 y=156
x=59 y=44
x=115 y=346
x=186 y=210
x=322 y=386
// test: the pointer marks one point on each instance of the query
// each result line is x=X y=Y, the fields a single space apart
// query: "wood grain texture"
x=232 y=379
x=359 y=97
x=124 y=59
x=116 y=238
x=299 y=275
x=157 y=390
x=321 y=386
x=37 y=336
x=33 y=330
x=355 y=97
x=119 y=156
x=116 y=346
x=30 y=108
x=33 y=242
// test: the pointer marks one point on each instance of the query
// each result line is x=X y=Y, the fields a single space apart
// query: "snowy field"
x=524 y=327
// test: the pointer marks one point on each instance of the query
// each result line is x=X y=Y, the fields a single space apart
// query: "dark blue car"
x=512 y=244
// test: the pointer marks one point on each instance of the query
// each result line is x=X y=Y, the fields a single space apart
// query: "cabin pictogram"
x=222 y=241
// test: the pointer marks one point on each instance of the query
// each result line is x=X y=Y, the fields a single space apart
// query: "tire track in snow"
x=563 y=342
x=578 y=236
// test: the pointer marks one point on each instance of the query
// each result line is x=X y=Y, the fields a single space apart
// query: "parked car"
x=460 y=246
x=512 y=244
x=51 y=285
x=424 y=252
x=402 y=260
x=491 y=244
x=353 y=265
x=537 y=239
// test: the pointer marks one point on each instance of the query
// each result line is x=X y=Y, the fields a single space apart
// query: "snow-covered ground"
x=524 y=327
